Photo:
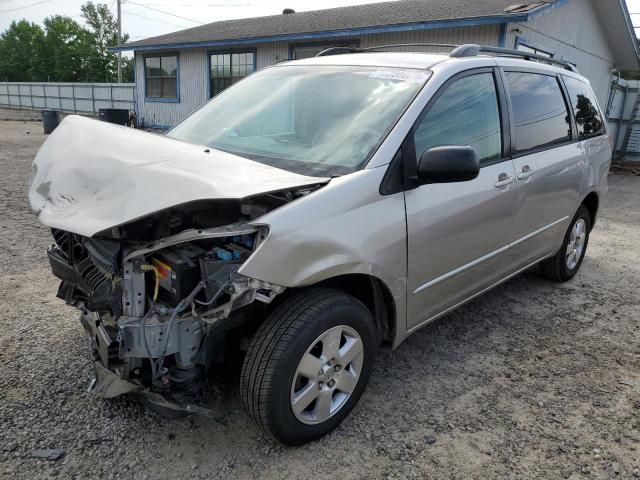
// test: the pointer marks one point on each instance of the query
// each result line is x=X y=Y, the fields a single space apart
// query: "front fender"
x=346 y=227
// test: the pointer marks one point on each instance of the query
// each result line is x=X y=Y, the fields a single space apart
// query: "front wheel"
x=566 y=263
x=308 y=364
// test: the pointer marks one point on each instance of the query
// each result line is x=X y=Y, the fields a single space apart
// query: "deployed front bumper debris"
x=108 y=384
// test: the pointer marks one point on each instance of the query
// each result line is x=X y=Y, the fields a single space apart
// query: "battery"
x=179 y=272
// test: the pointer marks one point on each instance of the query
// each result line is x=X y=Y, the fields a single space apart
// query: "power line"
x=635 y=13
x=206 y=5
x=156 y=20
x=25 y=6
x=166 y=13
x=217 y=4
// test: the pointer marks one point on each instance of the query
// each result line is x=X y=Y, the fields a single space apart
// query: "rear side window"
x=588 y=119
x=465 y=114
x=540 y=114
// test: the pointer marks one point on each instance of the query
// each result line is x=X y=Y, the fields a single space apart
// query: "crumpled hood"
x=91 y=175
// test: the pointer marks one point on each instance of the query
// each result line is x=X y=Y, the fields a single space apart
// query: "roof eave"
x=632 y=62
x=403 y=27
x=619 y=32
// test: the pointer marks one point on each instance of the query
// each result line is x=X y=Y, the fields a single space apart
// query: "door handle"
x=526 y=172
x=503 y=180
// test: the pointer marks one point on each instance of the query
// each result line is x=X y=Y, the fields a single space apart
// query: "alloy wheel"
x=327 y=375
x=575 y=246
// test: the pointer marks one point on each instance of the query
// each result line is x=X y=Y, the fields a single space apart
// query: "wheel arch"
x=592 y=202
x=369 y=290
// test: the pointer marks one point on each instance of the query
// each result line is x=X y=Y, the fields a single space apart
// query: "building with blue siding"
x=178 y=72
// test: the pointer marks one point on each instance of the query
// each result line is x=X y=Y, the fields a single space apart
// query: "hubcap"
x=327 y=375
x=575 y=246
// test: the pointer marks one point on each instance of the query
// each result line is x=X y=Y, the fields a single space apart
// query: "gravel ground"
x=533 y=380
x=20 y=115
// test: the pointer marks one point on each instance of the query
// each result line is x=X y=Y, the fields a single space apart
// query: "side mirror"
x=448 y=164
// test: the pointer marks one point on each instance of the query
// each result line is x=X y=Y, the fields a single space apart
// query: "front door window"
x=465 y=114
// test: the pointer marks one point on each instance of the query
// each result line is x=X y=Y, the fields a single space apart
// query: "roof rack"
x=472 y=50
x=458 y=51
x=341 y=50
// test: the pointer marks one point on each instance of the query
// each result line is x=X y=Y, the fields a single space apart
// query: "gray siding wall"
x=193 y=89
x=194 y=75
x=571 y=32
x=270 y=53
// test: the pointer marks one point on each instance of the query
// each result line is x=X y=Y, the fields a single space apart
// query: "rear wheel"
x=308 y=365
x=566 y=263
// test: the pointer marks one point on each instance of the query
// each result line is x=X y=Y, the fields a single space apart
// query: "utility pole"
x=119 y=40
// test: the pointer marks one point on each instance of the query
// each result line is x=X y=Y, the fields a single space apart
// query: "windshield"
x=318 y=121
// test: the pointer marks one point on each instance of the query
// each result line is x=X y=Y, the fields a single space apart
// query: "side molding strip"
x=459 y=304
x=477 y=261
x=537 y=232
x=461 y=269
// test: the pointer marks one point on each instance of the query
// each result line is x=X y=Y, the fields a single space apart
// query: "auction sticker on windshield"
x=411 y=76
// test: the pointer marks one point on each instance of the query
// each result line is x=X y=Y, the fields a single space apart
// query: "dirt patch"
x=626 y=168
x=20 y=115
x=533 y=380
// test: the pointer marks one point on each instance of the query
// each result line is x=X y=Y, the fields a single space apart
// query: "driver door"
x=459 y=233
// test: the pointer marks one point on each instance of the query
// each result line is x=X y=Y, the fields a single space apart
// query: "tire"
x=273 y=362
x=560 y=268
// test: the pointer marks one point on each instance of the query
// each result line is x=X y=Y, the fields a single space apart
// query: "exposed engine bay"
x=158 y=295
x=150 y=235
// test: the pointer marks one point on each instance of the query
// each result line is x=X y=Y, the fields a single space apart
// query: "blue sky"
x=147 y=21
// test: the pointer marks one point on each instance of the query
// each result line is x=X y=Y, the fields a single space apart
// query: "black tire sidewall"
x=568 y=273
x=284 y=425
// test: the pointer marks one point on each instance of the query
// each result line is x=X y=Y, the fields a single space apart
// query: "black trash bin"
x=50 y=120
x=119 y=116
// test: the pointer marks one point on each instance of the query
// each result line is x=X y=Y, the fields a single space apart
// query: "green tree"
x=66 y=49
x=630 y=74
x=127 y=70
x=102 y=33
x=21 y=52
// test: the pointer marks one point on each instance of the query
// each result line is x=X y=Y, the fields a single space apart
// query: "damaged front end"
x=149 y=234
x=157 y=296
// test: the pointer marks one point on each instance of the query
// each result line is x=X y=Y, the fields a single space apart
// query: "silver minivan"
x=313 y=212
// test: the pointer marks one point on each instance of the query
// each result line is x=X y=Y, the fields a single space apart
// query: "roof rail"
x=471 y=50
x=337 y=51
x=341 y=50
x=458 y=51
